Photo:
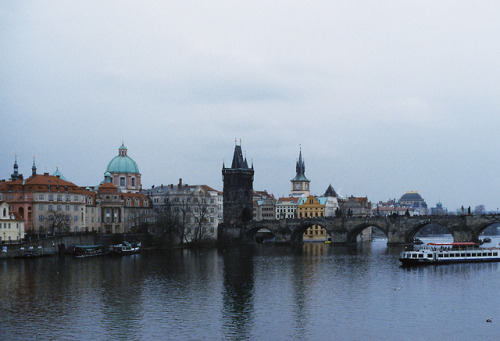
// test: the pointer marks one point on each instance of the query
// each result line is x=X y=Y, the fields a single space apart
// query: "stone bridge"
x=344 y=230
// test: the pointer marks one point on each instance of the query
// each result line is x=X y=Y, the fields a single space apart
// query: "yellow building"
x=312 y=207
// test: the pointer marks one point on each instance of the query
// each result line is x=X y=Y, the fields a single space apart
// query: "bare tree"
x=58 y=222
x=201 y=215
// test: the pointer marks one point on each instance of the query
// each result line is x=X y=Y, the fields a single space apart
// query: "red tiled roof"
x=294 y=199
x=40 y=183
x=107 y=188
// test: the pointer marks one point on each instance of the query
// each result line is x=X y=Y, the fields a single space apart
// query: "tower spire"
x=33 y=168
x=15 y=175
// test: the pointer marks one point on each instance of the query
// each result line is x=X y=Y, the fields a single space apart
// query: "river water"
x=312 y=292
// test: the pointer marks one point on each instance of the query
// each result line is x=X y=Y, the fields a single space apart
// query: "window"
x=75 y=198
x=41 y=207
x=51 y=197
x=76 y=208
x=67 y=208
x=133 y=181
x=59 y=197
x=40 y=218
x=40 y=196
x=76 y=218
x=59 y=207
x=122 y=181
x=67 y=198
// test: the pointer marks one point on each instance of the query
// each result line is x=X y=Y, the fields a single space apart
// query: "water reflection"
x=314 y=291
x=120 y=284
x=238 y=291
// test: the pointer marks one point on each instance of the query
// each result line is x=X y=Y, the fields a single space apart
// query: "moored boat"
x=443 y=253
x=81 y=251
x=126 y=248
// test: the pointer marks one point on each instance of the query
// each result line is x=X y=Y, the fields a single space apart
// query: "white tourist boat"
x=443 y=253
x=126 y=248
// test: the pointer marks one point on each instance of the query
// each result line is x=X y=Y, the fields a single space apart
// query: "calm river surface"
x=315 y=291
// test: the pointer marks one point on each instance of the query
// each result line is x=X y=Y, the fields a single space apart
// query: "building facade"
x=192 y=208
x=45 y=203
x=286 y=208
x=11 y=225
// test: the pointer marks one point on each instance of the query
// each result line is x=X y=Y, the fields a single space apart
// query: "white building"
x=11 y=225
x=195 y=207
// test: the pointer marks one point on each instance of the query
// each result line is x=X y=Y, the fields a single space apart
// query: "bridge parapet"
x=398 y=229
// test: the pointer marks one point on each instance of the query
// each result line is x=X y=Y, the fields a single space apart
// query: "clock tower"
x=300 y=184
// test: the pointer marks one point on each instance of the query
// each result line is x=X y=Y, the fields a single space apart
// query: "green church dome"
x=122 y=163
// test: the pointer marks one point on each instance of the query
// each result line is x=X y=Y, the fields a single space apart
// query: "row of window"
x=311 y=214
x=8 y=226
x=176 y=199
x=41 y=207
x=59 y=197
x=51 y=218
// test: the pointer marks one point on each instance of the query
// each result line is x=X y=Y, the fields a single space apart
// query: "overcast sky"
x=383 y=96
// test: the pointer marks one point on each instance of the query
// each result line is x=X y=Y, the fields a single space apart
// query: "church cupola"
x=107 y=178
x=122 y=151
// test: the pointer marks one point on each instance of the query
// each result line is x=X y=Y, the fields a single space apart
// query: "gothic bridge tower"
x=238 y=190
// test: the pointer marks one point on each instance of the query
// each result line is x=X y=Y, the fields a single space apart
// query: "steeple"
x=33 y=169
x=300 y=184
x=238 y=161
x=300 y=169
x=16 y=175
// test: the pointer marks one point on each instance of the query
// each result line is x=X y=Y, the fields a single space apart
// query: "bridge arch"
x=252 y=232
x=410 y=234
x=298 y=232
x=479 y=230
x=354 y=232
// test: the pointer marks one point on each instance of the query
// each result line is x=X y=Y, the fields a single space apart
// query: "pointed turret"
x=300 y=169
x=59 y=174
x=238 y=161
x=330 y=192
x=33 y=168
x=16 y=175
x=300 y=184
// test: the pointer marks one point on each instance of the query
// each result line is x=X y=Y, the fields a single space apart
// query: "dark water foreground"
x=315 y=292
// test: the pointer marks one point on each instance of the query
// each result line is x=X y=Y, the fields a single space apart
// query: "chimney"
x=180 y=183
